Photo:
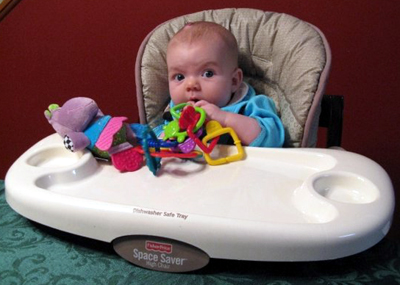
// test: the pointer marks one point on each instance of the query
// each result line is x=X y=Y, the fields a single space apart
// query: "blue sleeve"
x=262 y=109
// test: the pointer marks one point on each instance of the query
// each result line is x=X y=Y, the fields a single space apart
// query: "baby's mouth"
x=194 y=100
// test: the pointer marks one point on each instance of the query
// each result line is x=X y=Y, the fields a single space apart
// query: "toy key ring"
x=201 y=120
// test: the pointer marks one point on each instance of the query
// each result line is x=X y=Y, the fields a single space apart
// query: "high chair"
x=278 y=204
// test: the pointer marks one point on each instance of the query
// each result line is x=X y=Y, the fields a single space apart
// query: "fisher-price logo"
x=158 y=246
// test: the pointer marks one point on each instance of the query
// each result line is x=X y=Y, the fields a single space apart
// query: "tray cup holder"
x=346 y=188
x=53 y=157
x=61 y=166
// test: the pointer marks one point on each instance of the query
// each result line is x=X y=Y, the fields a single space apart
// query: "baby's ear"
x=237 y=79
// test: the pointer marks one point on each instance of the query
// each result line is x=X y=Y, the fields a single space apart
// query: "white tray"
x=275 y=205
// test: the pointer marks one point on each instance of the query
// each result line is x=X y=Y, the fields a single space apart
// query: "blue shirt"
x=261 y=108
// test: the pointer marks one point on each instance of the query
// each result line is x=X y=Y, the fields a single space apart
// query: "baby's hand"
x=213 y=111
x=247 y=128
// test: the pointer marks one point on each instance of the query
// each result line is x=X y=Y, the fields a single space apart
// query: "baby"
x=202 y=60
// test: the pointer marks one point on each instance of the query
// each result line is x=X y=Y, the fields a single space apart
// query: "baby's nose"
x=192 y=84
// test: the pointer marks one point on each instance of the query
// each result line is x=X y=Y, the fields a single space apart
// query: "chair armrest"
x=331 y=117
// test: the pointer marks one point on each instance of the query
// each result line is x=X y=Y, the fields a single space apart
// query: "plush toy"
x=82 y=125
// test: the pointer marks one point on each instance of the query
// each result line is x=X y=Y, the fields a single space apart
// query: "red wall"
x=51 y=51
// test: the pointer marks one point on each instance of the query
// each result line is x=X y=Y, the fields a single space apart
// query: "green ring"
x=197 y=109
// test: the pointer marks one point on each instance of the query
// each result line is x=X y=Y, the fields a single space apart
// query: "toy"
x=192 y=121
x=82 y=125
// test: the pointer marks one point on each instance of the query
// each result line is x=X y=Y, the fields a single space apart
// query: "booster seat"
x=280 y=55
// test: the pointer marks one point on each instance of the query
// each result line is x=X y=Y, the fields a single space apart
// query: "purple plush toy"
x=82 y=125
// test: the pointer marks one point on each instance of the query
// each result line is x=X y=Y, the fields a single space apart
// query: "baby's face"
x=201 y=71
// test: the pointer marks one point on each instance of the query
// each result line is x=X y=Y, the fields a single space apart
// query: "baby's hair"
x=194 y=31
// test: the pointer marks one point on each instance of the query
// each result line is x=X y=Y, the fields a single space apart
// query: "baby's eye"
x=208 y=73
x=179 y=77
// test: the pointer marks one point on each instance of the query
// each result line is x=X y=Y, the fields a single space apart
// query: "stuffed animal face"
x=74 y=116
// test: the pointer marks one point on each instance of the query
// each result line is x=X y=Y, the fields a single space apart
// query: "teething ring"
x=216 y=133
x=200 y=122
x=168 y=153
x=200 y=144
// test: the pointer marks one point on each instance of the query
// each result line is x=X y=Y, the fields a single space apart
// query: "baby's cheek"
x=177 y=99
